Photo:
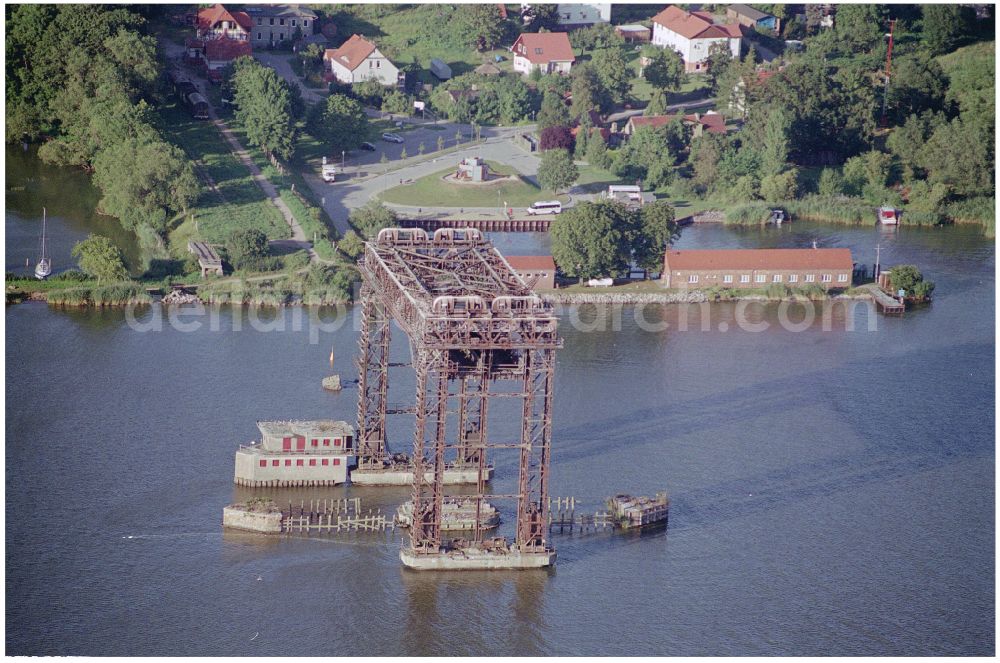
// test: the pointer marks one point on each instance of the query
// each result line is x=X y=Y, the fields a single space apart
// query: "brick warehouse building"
x=758 y=268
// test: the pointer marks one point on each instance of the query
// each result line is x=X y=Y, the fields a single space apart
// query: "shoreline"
x=683 y=297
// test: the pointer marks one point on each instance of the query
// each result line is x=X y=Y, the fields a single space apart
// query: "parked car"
x=392 y=138
x=367 y=146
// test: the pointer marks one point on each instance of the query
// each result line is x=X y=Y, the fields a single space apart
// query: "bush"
x=554 y=138
x=748 y=215
x=247 y=247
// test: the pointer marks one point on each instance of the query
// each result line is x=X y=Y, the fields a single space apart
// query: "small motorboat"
x=888 y=216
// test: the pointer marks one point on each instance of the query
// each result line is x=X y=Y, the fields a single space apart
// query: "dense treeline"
x=81 y=77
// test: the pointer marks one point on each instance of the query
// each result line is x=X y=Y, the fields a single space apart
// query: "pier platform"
x=477 y=559
x=403 y=476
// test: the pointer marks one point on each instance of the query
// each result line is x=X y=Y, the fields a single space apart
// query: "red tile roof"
x=351 y=53
x=749 y=259
x=695 y=25
x=531 y=262
x=225 y=49
x=545 y=47
x=207 y=18
x=713 y=122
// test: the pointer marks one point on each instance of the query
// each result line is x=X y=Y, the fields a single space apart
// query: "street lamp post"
x=343 y=158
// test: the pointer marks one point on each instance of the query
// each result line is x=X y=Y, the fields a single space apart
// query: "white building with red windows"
x=297 y=453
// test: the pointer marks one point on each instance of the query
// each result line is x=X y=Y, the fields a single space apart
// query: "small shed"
x=440 y=69
x=634 y=33
x=488 y=69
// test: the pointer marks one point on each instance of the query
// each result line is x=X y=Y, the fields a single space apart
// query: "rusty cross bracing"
x=472 y=323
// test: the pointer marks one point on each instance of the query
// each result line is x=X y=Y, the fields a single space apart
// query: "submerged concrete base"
x=471 y=559
x=404 y=477
x=239 y=517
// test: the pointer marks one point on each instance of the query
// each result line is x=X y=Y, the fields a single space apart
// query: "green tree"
x=780 y=186
x=598 y=35
x=340 y=122
x=651 y=153
x=397 y=102
x=597 y=153
x=860 y=27
x=943 y=26
x=247 y=248
x=591 y=240
x=665 y=70
x=657 y=104
x=481 y=24
x=557 y=171
x=144 y=181
x=264 y=108
x=706 y=153
x=908 y=278
x=918 y=84
x=100 y=258
x=587 y=92
x=655 y=231
x=613 y=72
x=774 y=146
x=372 y=218
x=961 y=155
x=719 y=58
x=553 y=112
x=351 y=245
x=831 y=183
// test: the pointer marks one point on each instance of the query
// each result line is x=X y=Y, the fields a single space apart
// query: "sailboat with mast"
x=44 y=266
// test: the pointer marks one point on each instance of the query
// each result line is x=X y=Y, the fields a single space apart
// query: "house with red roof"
x=218 y=22
x=692 y=34
x=711 y=122
x=357 y=60
x=757 y=268
x=212 y=55
x=548 y=51
x=537 y=272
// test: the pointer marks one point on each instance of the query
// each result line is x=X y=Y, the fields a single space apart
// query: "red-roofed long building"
x=758 y=268
x=692 y=34
x=710 y=122
x=537 y=272
x=549 y=51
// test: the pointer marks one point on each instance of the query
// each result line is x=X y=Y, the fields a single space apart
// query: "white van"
x=545 y=207
x=329 y=173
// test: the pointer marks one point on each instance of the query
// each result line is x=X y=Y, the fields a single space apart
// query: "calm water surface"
x=70 y=200
x=833 y=491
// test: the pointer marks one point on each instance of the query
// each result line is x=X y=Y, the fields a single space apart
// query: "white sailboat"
x=44 y=266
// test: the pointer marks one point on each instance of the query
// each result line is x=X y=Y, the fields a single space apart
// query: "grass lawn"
x=415 y=34
x=242 y=205
x=431 y=191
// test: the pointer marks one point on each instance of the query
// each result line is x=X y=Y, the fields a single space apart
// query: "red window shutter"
x=336 y=461
x=263 y=463
x=336 y=441
x=315 y=442
x=326 y=442
x=286 y=444
x=274 y=463
x=326 y=461
x=300 y=443
x=312 y=462
x=288 y=461
x=300 y=462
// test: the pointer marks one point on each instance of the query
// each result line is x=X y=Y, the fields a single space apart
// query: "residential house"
x=488 y=69
x=537 y=272
x=752 y=18
x=757 y=268
x=711 y=122
x=583 y=15
x=359 y=60
x=692 y=34
x=274 y=24
x=217 y=22
x=549 y=52
x=212 y=55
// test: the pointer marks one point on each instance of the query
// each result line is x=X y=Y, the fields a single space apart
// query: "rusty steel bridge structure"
x=477 y=333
